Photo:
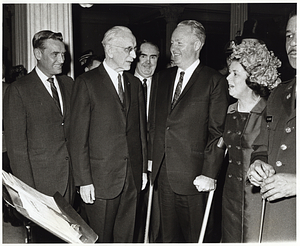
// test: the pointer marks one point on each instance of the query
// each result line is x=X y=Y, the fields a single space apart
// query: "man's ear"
x=37 y=53
x=109 y=51
x=198 y=45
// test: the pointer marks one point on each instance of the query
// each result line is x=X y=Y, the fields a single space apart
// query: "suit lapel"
x=45 y=95
x=192 y=80
x=127 y=87
x=170 y=89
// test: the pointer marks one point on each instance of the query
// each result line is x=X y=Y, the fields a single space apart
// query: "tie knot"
x=144 y=82
x=51 y=80
x=181 y=74
x=119 y=77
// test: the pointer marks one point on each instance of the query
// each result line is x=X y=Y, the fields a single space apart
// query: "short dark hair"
x=146 y=42
x=41 y=36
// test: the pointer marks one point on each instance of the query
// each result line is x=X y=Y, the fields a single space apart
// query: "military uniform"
x=276 y=145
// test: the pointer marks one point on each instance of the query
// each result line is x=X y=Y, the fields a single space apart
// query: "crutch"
x=206 y=215
x=263 y=209
x=220 y=144
x=146 y=238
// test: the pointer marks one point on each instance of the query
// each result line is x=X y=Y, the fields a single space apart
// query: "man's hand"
x=258 y=171
x=145 y=180
x=87 y=193
x=204 y=183
x=278 y=186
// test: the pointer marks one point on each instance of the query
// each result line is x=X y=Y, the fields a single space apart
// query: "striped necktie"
x=178 y=90
x=54 y=92
x=120 y=89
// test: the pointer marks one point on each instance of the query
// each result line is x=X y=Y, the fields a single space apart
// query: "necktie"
x=145 y=89
x=178 y=90
x=54 y=92
x=120 y=89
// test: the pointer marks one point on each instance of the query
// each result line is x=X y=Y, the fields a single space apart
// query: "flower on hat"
x=260 y=63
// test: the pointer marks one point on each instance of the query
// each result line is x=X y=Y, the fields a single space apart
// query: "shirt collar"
x=136 y=74
x=191 y=68
x=111 y=72
x=41 y=75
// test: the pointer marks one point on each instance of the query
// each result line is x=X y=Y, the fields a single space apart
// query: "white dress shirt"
x=113 y=75
x=148 y=82
x=187 y=75
x=46 y=83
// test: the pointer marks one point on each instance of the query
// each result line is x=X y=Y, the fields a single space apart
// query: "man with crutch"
x=273 y=165
x=190 y=109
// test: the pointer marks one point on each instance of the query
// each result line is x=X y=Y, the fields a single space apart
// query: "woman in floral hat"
x=252 y=75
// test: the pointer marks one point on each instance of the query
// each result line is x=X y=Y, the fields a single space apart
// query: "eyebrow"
x=143 y=54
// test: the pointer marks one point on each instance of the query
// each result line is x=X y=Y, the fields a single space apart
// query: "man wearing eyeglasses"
x=108 y=139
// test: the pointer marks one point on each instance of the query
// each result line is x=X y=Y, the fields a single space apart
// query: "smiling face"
x=147 y=60
x=185 y=47
x=291 y=41
x=51 y=59
x=237 y=81
x=120 y=58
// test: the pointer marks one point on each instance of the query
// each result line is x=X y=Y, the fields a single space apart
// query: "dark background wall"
x=149 y=21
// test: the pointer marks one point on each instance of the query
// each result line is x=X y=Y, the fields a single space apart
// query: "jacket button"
x=239 y=179
x=283 y=147
x=288 y=130
x=230 y=161
x=238 y=147
x=278 y=163
x=234 y=117
x=238 y=162
x=67 y=158
x=168 y=128
x=229 y=176
x=228 y=132
x=229 y=146
x=239 y=133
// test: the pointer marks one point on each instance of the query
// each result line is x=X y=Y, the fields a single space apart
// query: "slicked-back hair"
x=40 y=37
x=113 y=33
x=197 y=29
x=147 y=42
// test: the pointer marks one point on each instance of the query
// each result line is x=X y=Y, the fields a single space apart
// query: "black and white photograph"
x=149 y=122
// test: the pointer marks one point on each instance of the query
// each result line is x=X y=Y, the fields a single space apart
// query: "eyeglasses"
x=127 y=49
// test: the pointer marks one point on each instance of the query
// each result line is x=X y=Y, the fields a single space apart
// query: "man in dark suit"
x=36 y=120
x=148 y=54
x=188 y=124
x=108 y=139
x=273 y=160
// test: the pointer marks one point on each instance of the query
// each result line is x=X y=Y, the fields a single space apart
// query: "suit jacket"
x=107 y=137
x=187 y=136
x=276 y=145
x=36 y=133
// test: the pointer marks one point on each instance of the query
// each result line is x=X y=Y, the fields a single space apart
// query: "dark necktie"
x=178 y=89
x=145 y=89
x=120 y=89
x=54 y=92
